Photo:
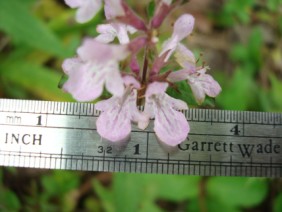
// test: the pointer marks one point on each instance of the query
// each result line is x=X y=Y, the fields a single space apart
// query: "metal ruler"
x=59 y=135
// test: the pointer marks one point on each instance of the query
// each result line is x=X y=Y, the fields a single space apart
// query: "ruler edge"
x=88 y=109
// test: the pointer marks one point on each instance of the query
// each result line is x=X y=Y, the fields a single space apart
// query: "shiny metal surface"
x=56 y=135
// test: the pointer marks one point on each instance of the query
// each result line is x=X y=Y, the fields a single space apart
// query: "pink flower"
x=170 y=126
x=108 y=32
x=182 y=28
x=202 y=84
x=97 y=65
x=87 y=9
x=114 y=123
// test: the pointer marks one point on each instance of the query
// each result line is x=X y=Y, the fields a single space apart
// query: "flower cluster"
x=111 y=61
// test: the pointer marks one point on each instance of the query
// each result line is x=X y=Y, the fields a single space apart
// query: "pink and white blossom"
x=114 y=123
x=202 y=84
x=108 y=32
x=87 y=9
x=131 y=77
x=170 y=125
x=97 y=65
x=182 y=28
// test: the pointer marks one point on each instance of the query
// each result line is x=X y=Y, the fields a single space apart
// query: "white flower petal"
x=87 y=10
x=114 y=123
x=156 y=88
x=114 y=82
x=203 y=84
x=113 y=9
x=74 y=3
x=84 y=84
x=183 y=26
x=177 y=76
x=171 y=126
x=100 y=53
x=185 y=57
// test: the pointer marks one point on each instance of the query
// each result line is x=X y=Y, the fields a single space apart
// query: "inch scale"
x=58 y=135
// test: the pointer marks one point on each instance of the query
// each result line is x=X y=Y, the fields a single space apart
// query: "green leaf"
x=240 y=192
x=240 y=92
x=175 y=188
x=126 y=186
x=26 y=29
x=151 y=9
x=139 y=192
x=276 y=88
x=39 y=81
x=9 y=201
x=255 y=46
x=278 y=203
x=239 y=53
x=60 y=183
x=106 y=196
x=209 y=205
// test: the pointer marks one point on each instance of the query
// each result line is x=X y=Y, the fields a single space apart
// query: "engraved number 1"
x=39 y=120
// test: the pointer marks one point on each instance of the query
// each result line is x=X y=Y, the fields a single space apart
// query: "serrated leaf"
x=25 y=28
x=240 y=192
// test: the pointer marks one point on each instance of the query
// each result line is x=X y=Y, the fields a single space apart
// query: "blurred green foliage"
x=35 y=37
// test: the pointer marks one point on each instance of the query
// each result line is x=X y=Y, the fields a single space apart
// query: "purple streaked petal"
x=203 y=84
x=171 y=126
x=114 y=123
x=156 y=88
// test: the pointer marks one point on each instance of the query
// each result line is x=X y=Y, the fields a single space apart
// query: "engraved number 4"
x=235 y=130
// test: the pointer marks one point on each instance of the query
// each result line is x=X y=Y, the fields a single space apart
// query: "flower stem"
x=143 y=75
